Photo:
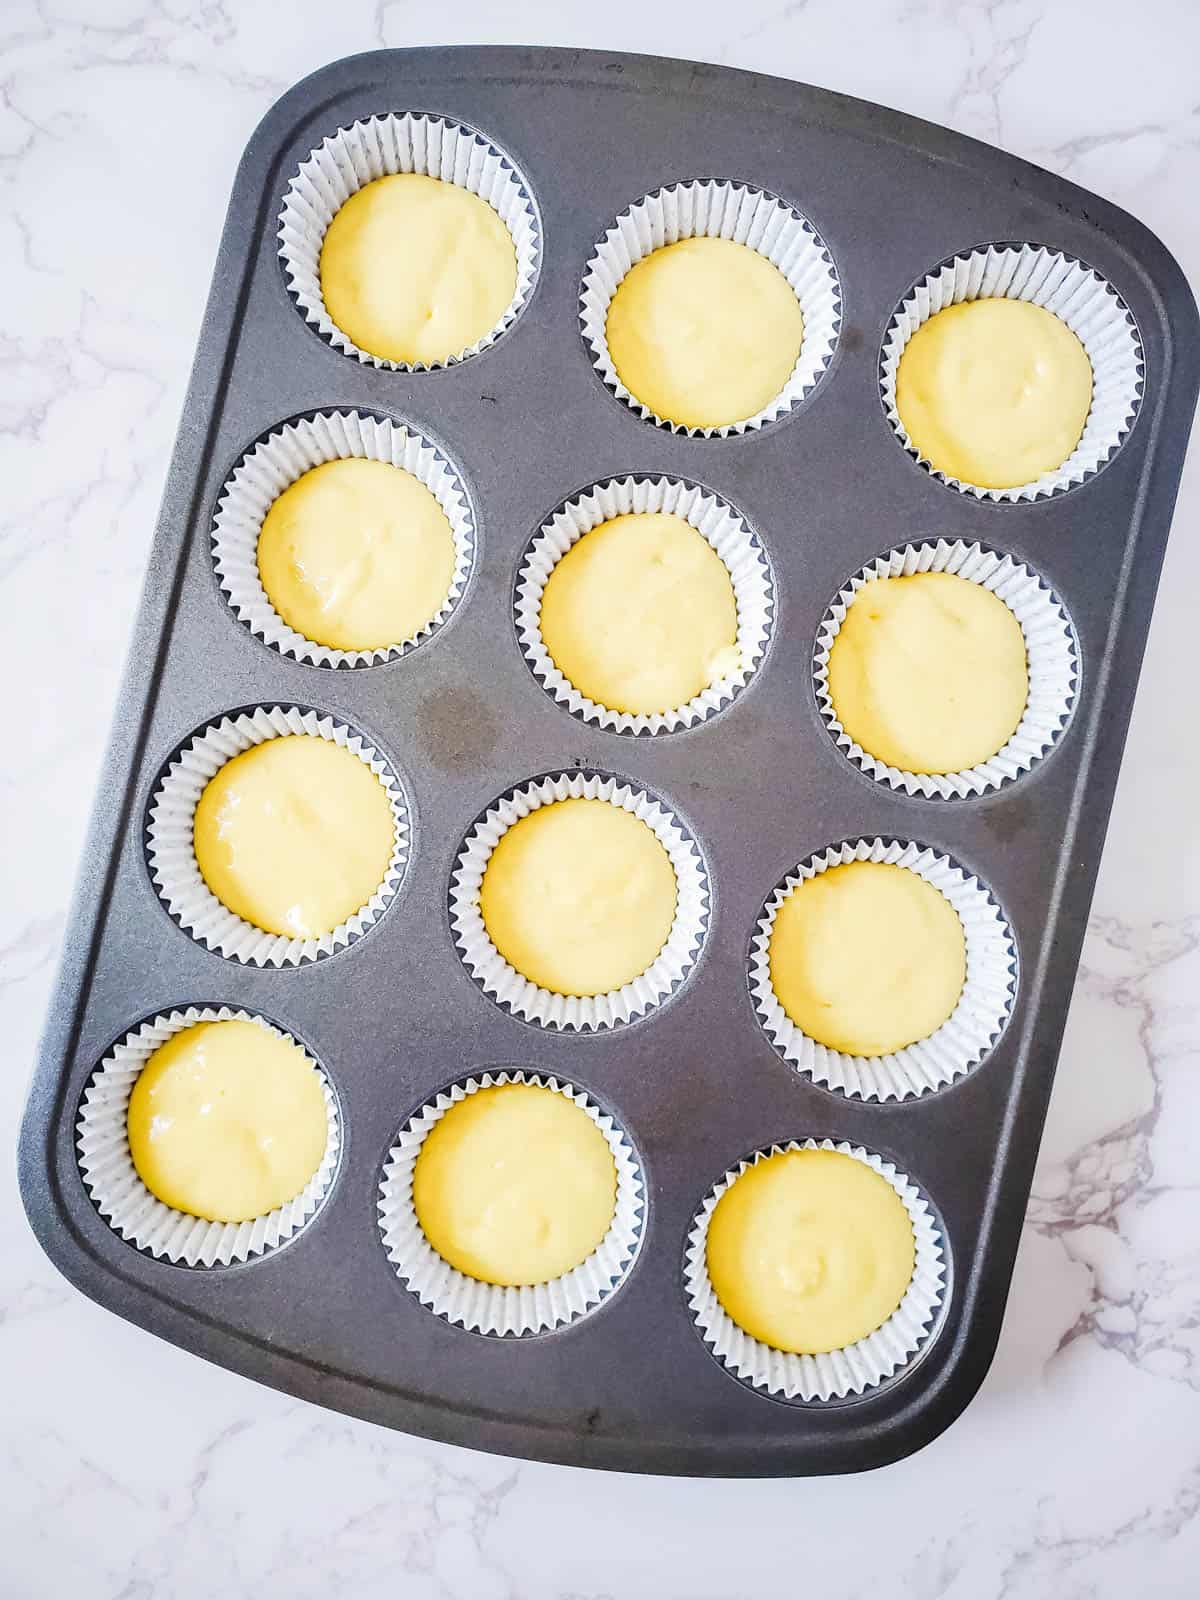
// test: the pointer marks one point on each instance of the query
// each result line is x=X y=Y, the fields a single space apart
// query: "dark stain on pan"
x=457 y=729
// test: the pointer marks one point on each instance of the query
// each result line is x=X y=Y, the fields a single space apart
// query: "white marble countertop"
x=130 y=1470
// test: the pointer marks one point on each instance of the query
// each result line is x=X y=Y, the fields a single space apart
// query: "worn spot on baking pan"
x=1008 y=818
x=852 y=339
x=457 y=729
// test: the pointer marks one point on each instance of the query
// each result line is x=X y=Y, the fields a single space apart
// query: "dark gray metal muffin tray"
x=696 y=1084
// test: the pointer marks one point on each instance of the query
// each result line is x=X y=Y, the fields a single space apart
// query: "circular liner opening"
x=967 y=1036
x=725 y=530
x=1052 y=656
x=484 y=1308
x=527 y=1001
x=277 y=461
x=718 y=209
x=131 y=1210
x=170 y=851
x=856 y=1371
x=379 y=147
x=1073 y=291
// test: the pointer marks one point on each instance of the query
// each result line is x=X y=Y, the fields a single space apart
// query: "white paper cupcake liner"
x=379 y=147
x=716 y=209
x=516 y=994
x=727 y=533
x=276 y=462
x=967 y=1035
x=125 y=1202
x=485 y=1307
x=1089 y=306
x=856 y=1368
x=1051 y=650
x=171 y=852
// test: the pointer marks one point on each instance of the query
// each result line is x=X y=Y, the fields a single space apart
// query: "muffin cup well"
x=485 y=1307
x=1051 y=651
x=716 y=209
x=516 y=994
x=273 y=465
x=170 y=847
x=857 y=1368
x=378 y=147
x=967 y=1035
x=723 y=528
x=1089 y=306
x=124 y=1201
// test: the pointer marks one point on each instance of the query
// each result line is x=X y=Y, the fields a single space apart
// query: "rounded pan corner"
x=348 y=75
x=1162 y=276
x=301 y=101
x=48 y=1217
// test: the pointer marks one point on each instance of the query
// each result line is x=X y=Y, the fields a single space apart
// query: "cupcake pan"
x=695 y=1082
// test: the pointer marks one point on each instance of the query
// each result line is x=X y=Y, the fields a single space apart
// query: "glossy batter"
x=994 y=392
x=704 y=332
x=357 y=555
x=810 y=1251
x=640 y=614
x=417 y=270
x=867 y=958
x=227 y=1121
x=579 y=896
x=515 y=1185
x=294 y=835
x=928 y=673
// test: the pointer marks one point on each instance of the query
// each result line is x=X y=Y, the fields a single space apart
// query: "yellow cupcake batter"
x=227 y=1121
x=867 y=958
x=704 y=332
x=357 y=555
x=994 y=392
x=579 y=896
x=294 y=835
x=640 y=614
x=417 y=270
x=810 y=1251
x=928 y=673
x=515 y=1185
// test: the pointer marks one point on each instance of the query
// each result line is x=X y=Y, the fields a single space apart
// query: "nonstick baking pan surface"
x=696 y=1083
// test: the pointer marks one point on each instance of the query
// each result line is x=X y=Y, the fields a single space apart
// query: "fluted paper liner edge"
x=124 y=1201
x=170 y=846
x=856 y=1368
x=378 y=147
x=727 y=534
x=718 y=209
x=1089 y=306
x=515 y=993
x=967 y=1035
x=278 y=461
x=488 y=1308
x=1051 y=652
